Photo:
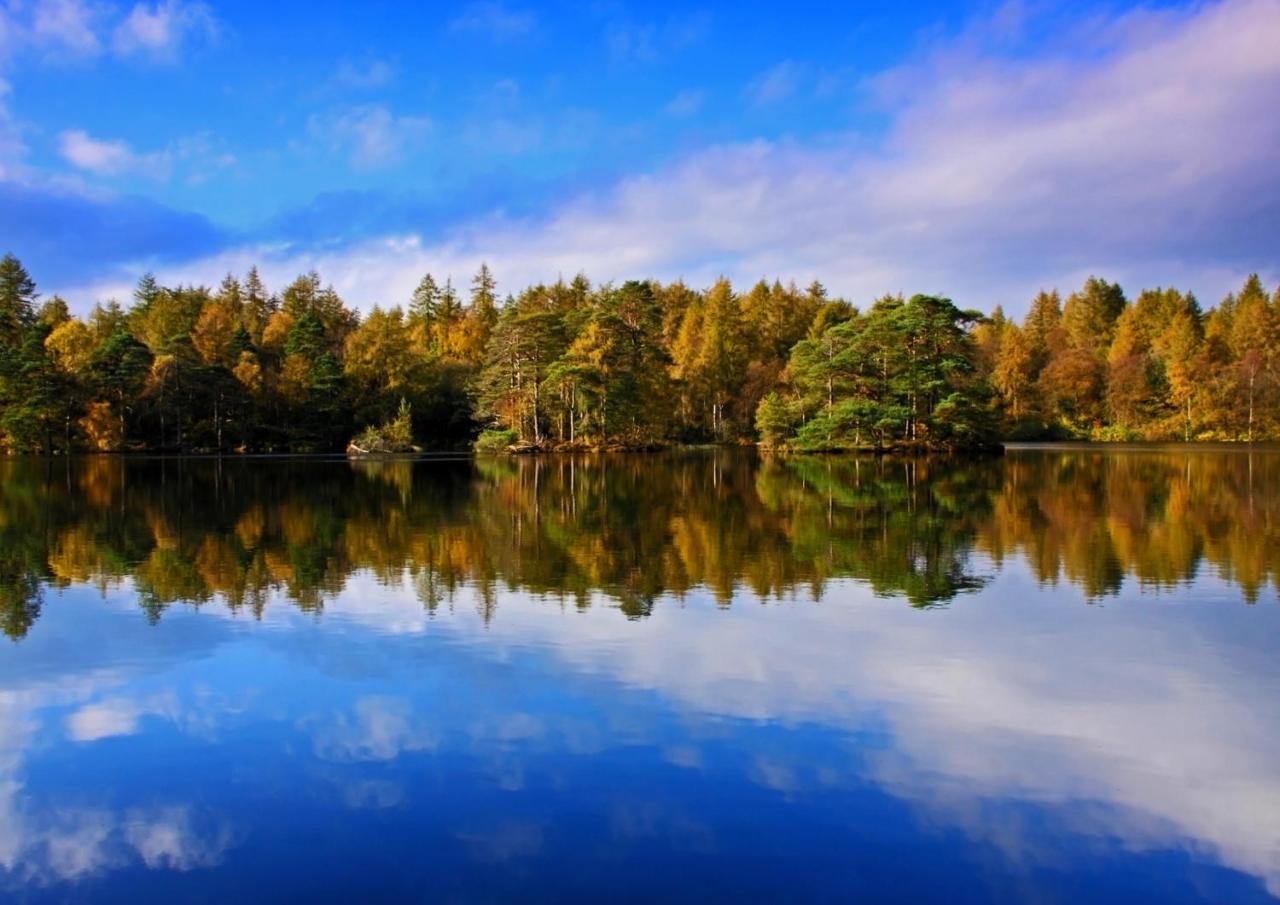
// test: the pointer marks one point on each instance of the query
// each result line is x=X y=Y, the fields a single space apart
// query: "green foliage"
x=17 y=301
x=903 y=372
x=640 y=365
x=496 y=440
x=775 y=420
x=394 y=436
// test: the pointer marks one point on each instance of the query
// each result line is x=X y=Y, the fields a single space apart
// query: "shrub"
x=496 y=440
x=395 y=436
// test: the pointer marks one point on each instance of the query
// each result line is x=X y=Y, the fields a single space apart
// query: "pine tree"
x=425 y=303
x=257 y=306
x=146 y=292
x=481 y=316
x=22 y=358
x=17 y=302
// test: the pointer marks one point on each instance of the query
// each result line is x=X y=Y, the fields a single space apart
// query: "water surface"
x=1048 y=677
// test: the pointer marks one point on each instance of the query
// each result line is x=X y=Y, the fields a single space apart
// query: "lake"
x=1045 y=677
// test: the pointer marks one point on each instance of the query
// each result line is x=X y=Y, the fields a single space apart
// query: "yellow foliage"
x=249 y=373
x=71 y=345
x=276 y=333
x=102 y=427
x=213 y=333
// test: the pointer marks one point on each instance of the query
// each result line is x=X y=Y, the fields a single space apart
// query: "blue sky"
x=980 y=150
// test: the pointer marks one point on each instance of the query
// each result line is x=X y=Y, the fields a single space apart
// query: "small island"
x=394 y=438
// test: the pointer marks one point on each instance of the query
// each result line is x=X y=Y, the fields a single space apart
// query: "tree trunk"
x=1251 y=379
x=537 y=396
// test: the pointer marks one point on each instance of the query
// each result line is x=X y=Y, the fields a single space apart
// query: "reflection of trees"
x=1092 y=518
x=903 y=525
x=630 y=527
x=20 y=598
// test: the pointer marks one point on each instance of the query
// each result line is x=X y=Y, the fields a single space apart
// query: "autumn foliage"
x=574 y=365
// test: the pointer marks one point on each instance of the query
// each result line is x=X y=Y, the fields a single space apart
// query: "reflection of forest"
x=631 y=527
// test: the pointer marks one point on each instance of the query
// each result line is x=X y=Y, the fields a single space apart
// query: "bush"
x=396 y=436
x=1115 y=433
x=775 y=420
x=493 y=440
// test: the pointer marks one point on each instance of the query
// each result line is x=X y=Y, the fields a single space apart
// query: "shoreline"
x=999 y=448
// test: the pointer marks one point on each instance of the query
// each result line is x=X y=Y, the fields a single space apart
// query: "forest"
x=643 y=364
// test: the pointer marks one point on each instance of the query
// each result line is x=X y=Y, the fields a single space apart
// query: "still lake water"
x=1048 y=677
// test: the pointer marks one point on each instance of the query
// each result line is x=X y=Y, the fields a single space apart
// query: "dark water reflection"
x=1048 y=677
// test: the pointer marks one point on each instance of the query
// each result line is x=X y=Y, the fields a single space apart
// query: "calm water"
x=1051 y=677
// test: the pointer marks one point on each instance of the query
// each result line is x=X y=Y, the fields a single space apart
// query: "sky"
x=979 y=151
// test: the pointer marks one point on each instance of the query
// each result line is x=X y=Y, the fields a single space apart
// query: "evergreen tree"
x=118 y=371
x=257 y=306
x=425 y=303
x=17 y=302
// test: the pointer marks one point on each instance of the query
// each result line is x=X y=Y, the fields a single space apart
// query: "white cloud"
x=198 y=156
x=160 y=30
x=116 y=716
x=65 y=30
x=1142 y=149
x=104 y=157
x=495 y=21
x=78 y=843
x=66 y=25
x=379 y=728
x=41 y=843
x=371 y=134
x=104 y=719
x=74 y=29
x=169 y=839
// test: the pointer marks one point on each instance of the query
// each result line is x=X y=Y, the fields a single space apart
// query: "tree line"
x=641 y=364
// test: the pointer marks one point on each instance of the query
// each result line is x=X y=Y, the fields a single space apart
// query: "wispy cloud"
x=66 y=25
x=775 y=84
x=68 y=30
x=101 y=156
x=370 y=134
x=495 y=21
x=10 y=33
x=12 y=148
x=649 y=42
x=365 y=75
x=685 y=103
x=161 y=30
x=199 y=156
